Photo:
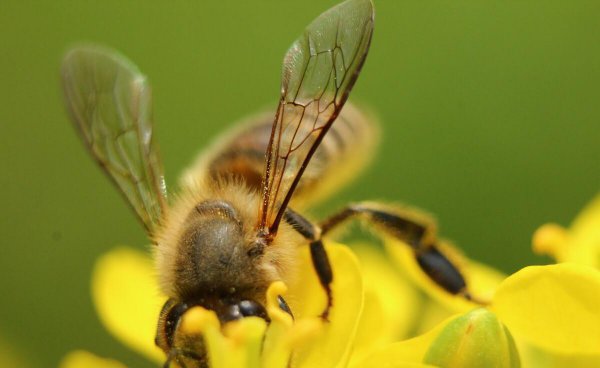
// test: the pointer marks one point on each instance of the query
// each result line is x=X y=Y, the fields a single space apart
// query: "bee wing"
x=108 y=99
x=319 y=71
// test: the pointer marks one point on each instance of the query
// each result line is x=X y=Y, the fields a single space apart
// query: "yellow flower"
x=552 y=312
x=127 y=301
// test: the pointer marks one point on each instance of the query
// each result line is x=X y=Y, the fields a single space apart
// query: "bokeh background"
x=490 y=112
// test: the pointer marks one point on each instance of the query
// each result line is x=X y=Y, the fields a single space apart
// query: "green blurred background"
x=490 y=112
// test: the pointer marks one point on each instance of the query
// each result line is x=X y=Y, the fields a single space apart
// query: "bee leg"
x=174 y=358
x=321 y=264
x=415 y=229
x=318 y=254
x=178 y=356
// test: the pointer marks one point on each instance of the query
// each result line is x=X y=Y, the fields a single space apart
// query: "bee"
x=233 y=227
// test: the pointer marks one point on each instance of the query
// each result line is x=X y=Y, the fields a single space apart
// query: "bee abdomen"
x=345 y=150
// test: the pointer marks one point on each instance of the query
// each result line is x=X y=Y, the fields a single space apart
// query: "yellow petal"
x=399 y=300
x=391 y=303
x=280 y=342
x=283 y=334
x=431 y=314
x=332 y=347
x=404 y=353
x=579 y=244
x=274 y=291
x=196 y=320
x=481 y=280
x=275 y=352
x=245 y=337
x=81 y=358
x=373 y=331
x=249 y=342
x=587 y=223
x=390 y=363
x=555 y=307
x=127 y=300
x=533 y=357
x=237 y=344
x=552 y=239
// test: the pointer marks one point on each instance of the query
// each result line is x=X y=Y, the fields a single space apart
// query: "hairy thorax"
x=209 y=246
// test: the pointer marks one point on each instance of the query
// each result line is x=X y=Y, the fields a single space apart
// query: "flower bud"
x=475 y=339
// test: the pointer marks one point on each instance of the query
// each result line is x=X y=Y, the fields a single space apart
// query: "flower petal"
x=332 y=347
x=407 y=353
x=249 y=342
x=391 y=363
x=536 y=357
x=127 y=300
x=431 y=314
x=482 y=280
x=579 y=244
x=237 y=345
x=391 y=303
x=552 y=239
x=283 y=335
x=459 y=341
x=555 y=307
x=81 y=358
x=588 y=220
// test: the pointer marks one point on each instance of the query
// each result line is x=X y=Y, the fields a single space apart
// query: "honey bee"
x=233 y=228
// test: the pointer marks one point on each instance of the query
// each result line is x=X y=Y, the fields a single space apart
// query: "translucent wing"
x=109 y=101
x=319 y=70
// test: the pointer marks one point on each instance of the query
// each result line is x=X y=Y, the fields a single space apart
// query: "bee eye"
x=251 y=308
x=168 y=320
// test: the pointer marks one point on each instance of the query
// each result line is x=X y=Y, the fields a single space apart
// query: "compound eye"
x=168 y=320
x=250 y=308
